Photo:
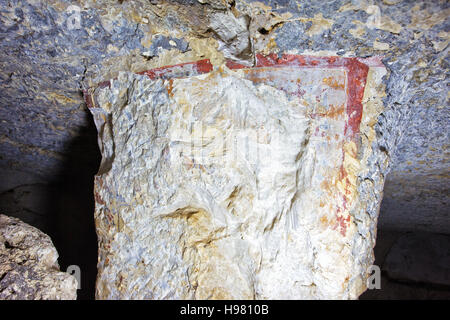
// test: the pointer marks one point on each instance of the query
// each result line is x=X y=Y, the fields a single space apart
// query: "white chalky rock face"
x=218 y=187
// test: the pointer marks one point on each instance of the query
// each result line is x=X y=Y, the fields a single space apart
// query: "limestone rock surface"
x=45 y=62
x=230 y=185
x=29 y=268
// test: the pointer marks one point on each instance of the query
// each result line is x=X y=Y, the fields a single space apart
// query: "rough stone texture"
x=45 y=66
x=29 y=268
x=44 y=63
x=218 y=186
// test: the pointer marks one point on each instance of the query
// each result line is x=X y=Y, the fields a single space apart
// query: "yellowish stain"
x=61 y=98
x=380 y=46
x=359 y=31
x=319 y=25
x=422 y=19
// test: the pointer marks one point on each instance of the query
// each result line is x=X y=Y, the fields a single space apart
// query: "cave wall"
x=48 y=141
x=46 y=60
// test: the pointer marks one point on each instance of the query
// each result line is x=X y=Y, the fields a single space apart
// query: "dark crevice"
x=263 y=31
x=8 y=245
x=71 y=208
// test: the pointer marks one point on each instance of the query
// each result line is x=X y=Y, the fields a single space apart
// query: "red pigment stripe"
x=201 y=66
x=357 y=70
x=292 y=60
x=357 y=77
x=87 y=96
x=88 y=99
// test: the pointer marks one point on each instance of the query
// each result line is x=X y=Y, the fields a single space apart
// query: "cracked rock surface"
x=183 y=213
x=29 y=268
x=45 y=63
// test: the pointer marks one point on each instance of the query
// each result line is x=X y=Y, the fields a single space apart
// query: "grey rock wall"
x=45 y=63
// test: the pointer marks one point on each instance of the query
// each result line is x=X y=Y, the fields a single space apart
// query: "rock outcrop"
x=29 y=268
x=53 y=50
x=239 y=183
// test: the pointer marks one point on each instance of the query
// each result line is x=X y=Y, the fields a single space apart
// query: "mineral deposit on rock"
x=29 y=268
x=239 y=182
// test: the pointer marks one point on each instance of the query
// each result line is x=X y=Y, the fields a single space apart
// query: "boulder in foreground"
x=29 y=267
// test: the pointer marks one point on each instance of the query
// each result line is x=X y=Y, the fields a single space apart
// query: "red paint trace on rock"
x=356 y=71
x=356 y=68
x=180 y=70
x=166 y=72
